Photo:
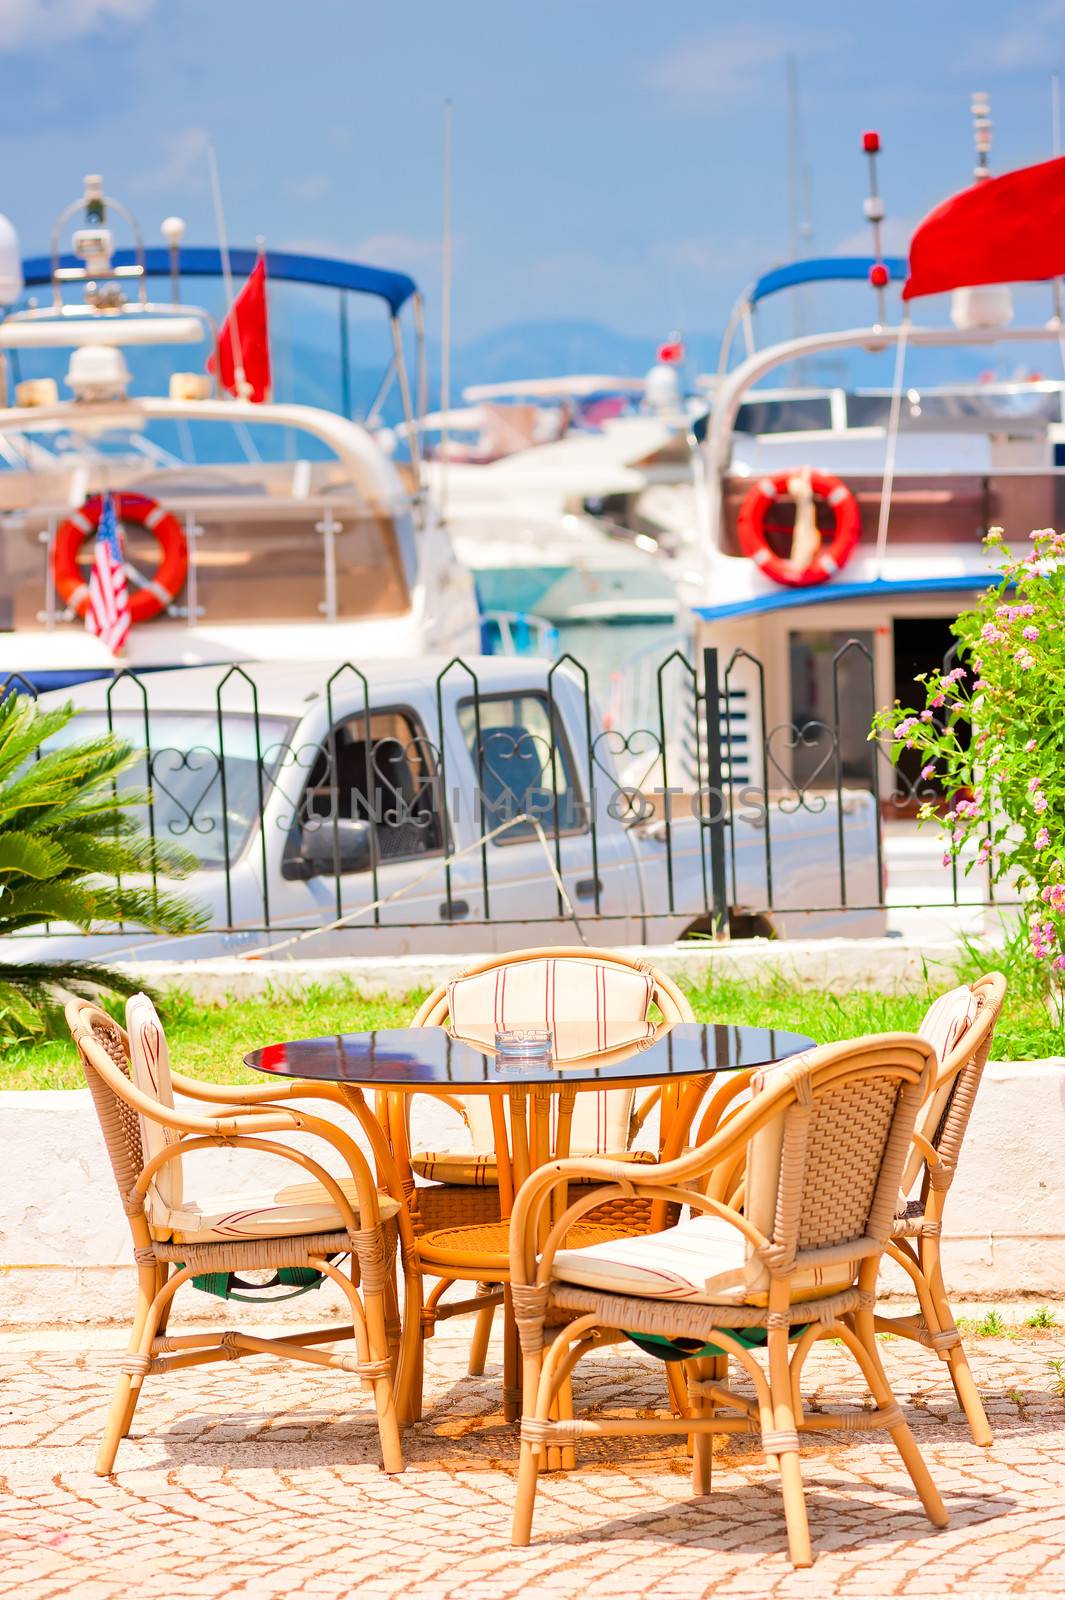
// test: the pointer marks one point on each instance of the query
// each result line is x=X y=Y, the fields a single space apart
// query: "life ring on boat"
x=159 y=591
x=753 y=526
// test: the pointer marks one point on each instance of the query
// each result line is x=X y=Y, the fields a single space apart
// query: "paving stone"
x=260 y=1480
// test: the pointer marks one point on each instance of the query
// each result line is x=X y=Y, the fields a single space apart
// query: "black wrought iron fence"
x=330 y=807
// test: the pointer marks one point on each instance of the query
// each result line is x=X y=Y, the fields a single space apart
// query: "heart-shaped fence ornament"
x=804 y=737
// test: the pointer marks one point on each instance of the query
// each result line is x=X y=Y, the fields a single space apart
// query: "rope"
x=412 y=883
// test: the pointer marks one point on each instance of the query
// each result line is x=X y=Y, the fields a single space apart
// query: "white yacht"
x=263 y=530
x=842 y=527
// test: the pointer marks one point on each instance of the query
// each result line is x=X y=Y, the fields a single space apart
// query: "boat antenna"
x=879 y=277
x=873 y=206
x=223 y=250
x=980 y=105
x=445 y=302
x=1055 y=150
x=800 y=224
x=240 y=429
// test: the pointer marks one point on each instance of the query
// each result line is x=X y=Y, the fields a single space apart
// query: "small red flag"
x=242 y=360
x=1002 y=230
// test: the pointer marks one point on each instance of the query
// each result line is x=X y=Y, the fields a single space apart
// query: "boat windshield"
x=205 y=772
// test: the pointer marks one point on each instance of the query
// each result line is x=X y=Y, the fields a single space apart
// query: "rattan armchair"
x=827 y=1136
x=175 y=1238
x=941 y=1127
x=460 y=1210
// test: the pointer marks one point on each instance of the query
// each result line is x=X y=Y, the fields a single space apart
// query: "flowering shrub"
x=1005 y=782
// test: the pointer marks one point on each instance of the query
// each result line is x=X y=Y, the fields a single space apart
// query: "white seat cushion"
x=477 y=1168
x=584 y=1002
x=701 y=1259
x=945 y=1021
x=150 y=1067
x=294 y=1209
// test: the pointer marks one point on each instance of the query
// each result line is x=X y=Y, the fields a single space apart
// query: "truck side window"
x=384 y=774
x=521 y=769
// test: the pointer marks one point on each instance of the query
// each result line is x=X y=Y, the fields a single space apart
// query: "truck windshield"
x=190 y=762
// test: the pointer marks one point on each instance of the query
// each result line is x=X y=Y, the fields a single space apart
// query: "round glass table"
x=532 y=1107
x=679 y=1060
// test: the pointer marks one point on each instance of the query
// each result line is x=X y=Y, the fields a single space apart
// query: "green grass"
x=209 y=1041
x=1042 y=1318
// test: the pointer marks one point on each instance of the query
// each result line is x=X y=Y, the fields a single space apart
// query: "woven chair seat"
x=675 y=1320
x=233 y=1255
x=486 y=1246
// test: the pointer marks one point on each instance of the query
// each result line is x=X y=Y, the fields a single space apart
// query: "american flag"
x=108 y=615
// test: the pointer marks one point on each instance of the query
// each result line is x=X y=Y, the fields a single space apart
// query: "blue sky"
x=614 y=160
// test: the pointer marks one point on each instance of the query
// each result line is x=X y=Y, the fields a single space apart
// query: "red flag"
x=242 y=360
x=1002 y=230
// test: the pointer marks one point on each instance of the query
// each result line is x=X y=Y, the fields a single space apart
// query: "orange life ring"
x=753 y=526
x=159 y=591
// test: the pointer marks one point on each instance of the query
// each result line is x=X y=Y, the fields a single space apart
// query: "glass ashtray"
x=527 y=1045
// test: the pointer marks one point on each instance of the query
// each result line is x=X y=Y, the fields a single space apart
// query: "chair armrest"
x=243 y=1134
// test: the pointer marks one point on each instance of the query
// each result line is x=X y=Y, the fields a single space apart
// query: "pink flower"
x=929 y=771
x=947 y=859
x=1059 y=963
x=1030 y=633
x=940 y=700
x=990 y=634
x=1042 y=838
x=926 y=716
x=1025 y=659
x=981 y=683
x=1030 y=747
x=1039 y=804
x=955 y=675
x=1034 y=784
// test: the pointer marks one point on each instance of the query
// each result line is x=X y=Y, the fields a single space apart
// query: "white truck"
x=422 y=807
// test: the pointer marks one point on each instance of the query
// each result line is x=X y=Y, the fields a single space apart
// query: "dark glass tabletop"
x=424 y=1058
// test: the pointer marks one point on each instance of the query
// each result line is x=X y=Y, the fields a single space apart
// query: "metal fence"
x=330 y=810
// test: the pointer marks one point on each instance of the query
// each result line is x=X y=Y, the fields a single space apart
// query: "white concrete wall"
x=64 y=1243
x=891 y=966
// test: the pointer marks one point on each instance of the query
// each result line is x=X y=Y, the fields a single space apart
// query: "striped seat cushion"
x=700 y=1259
x=477 y=1168
x=295 y=1209
x=590 y=1006
x=944 y=1023
x=150 y=1070
x=703 y=1259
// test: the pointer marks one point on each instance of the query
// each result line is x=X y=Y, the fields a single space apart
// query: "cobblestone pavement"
x=254 y=1479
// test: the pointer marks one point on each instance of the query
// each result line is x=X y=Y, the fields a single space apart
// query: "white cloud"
x=732 y=66
x=37 y=24
x=1031 y=39
x=312 y=187
x=183 y=164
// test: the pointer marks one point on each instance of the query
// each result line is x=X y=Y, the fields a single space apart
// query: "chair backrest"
x=96 y=1034
x=560 y=988
x=823 y=1168
x=150 y=1063
x=961 y=1026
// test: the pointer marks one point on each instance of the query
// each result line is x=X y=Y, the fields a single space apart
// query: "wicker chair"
x=961 y=1026
x=460 y=1216
x=827 y=1136
x=176 y=1238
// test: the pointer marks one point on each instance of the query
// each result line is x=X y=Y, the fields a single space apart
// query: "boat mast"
x=445 y=306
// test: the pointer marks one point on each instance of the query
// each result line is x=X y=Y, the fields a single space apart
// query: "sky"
x=613 y=160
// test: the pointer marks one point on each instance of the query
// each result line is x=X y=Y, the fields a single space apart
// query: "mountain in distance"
x=565 y=347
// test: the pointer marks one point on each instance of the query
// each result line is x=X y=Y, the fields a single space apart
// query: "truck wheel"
x=741 y=925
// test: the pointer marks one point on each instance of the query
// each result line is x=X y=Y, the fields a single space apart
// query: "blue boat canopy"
x=824 y=269
x=204 y=261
